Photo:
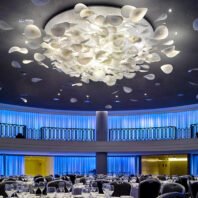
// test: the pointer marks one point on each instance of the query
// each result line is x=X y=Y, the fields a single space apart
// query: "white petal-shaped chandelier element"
x=59 y=29
x=5 y=26
x=27 y=61
x=126 y=10
x=170 y=52
x=167 y=68
x=161 y=32
x=194 y=69
x=77 y=85
x=171 y=42
x=108 y=107
x=39 y=57
x=16 y=64
x=24 y=100
x=137 y=14
x=150 y=76
x=114 y=20
x=73 y=100
x=32 y=32
x=18 y=49
x=127 y=89
x=85 y=13
x=162 y=17
x=79 y=7
x=98 y=43
x=36 y=80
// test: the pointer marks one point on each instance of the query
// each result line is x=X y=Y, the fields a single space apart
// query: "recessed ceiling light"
x=87 y=96
x=58 y=94
x=170 y=10
x=176 y=33
x=117 y=101
x=116 y=96
x=145 y=94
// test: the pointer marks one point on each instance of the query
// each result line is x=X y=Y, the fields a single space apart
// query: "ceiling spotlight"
x=116 y=96
x=145 y=94
x=170 y=10
x=176 y=33
x=98 y=43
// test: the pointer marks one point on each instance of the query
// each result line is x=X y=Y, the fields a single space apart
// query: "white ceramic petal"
x=126 y=10
x=27 y=61
x=5 y=26
x=39 y=57
x=84 y=60
x=85 y=13
x=170 y=42
x=161 y=32
x=24 y=100
x=108 y=107
x=162 y=17
x=145 y=66
x=114 y=20
x=32 y=32
x=73 y=100
x=33 y=44
x=77 y=84
x=43 y=64
x=58 y=30
x=79 y=7
x=36 y=80
x=150 y=76
x=170 y=52
x=16 y=64
x=98 y=75
x=167 y=68
x=127 y=89
x=194 y=69
x=129 y=75
x=100 y=20
x=18 y=49
x=137 y=14
x=66 y=53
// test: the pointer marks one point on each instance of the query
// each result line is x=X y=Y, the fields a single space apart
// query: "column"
x=101 y=135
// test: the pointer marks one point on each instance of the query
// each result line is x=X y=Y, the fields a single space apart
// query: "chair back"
x=172 y=195
x=39 y=179
x=121 y=189
x=193 y=188
x=2 y=187
x=56 y=184
x=172 y=187
x=149 y=188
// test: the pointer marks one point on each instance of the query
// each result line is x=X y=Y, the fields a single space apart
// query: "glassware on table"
x=108 y=189
x=41 y=187
x=9 y=189
x=86 y=192
x=69 y=185
x=61 y=187
x=94 y=191
x=51 y=192
x=35 y=187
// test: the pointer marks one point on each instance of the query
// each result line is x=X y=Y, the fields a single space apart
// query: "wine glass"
x=94 y=191
x=86 y=192
x=25 y=190
x=42 y=187
x=35 y=187
x=68 y=185
x=51 y=192
x=9 y=189
x=108 y=189
x=61 y=187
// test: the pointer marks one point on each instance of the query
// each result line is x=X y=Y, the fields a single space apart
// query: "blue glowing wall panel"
x=38 y=120
x=14 y=165
x=123 y=165
x=178 y=119
x=74 y=165
x=194 y=164
x=1 y=165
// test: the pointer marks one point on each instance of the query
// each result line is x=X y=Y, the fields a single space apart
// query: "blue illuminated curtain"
x=123 y=165
x=1 y=165
x=14 y=165
x=194 y=165
x=74 y=165
x=38 y=120
x=178 y=119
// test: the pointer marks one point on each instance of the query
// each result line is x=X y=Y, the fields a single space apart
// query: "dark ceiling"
x=55 y=90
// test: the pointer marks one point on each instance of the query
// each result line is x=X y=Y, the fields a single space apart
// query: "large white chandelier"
x=100 y=43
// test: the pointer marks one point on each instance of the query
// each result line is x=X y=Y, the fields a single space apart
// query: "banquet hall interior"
x=99 y=98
